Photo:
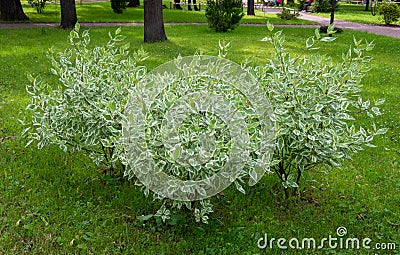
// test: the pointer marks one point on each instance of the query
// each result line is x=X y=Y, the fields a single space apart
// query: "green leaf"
x=380 y=101
x=145 y=217
x=239 y=187
x=77 y=27
x=31 y=107
x=266 y=39
x=119 y=38
x=29 y=142
x=376 y=111
x=25 y=130
x=310 y=42
x=328 y=39
x=331 y=29
x=319 y=107
x=357 y=43
x=270 y=26
x=177 y=152
x=118 y=31
x=381 y=131
x=370 y=46
x=253 y=175
x=317 y=34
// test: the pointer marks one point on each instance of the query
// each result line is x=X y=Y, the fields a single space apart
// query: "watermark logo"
x=196 y=124
x=339 y=241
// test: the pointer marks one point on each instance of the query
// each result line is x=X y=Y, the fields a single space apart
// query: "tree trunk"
x=250 y=7
x=12 y=10
x=133 y=3
x=333 y=7
x=153 y=21
x=332 y=19
x=68 y=14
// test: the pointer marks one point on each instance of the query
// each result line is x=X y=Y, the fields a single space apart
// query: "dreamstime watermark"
x=339 y=241
x=158 y=129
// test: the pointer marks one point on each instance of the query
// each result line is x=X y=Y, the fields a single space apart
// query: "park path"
x=392 y=31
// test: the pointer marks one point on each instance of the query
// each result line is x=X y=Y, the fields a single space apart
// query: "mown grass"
x=102 y=12
x=355 y=13
x=56 y=203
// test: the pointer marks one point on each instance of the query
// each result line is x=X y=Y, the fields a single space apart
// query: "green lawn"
x=356 y=13
x=102 y=12
x=56 y=203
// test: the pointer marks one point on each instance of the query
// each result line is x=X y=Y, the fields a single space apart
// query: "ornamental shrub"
x=83 y=111
x=224 y=15
x=323 y=5
x=194 y=126
x=119 y=6
x=390 y=13
x=38 y=4
x=286 y=14
x=300 y=4
x=316 y=102
x=194 y=118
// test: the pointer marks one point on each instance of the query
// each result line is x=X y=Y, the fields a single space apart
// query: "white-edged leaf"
x=239 y=187
x=253 y=175
x=380 y=101
x=328 y=39
x=317 y=34
x=331 y=29
x=381 y=131
x=376 y=111
x=310 y=42
x=270 y=26
x=145 y=217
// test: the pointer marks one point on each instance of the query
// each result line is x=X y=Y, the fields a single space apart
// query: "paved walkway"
x=392 y=31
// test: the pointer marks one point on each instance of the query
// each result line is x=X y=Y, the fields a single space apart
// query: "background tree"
x=250 y=7
x=133 y=3
x=366 y=5
x=68 y=14
x=118 y=6
x=332 y=18
x=12 y=10
x=39 y=5
x=224 y=15
x=153 y=21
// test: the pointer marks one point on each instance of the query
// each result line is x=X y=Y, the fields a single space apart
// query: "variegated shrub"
x=316 y=101
x=84 y=110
